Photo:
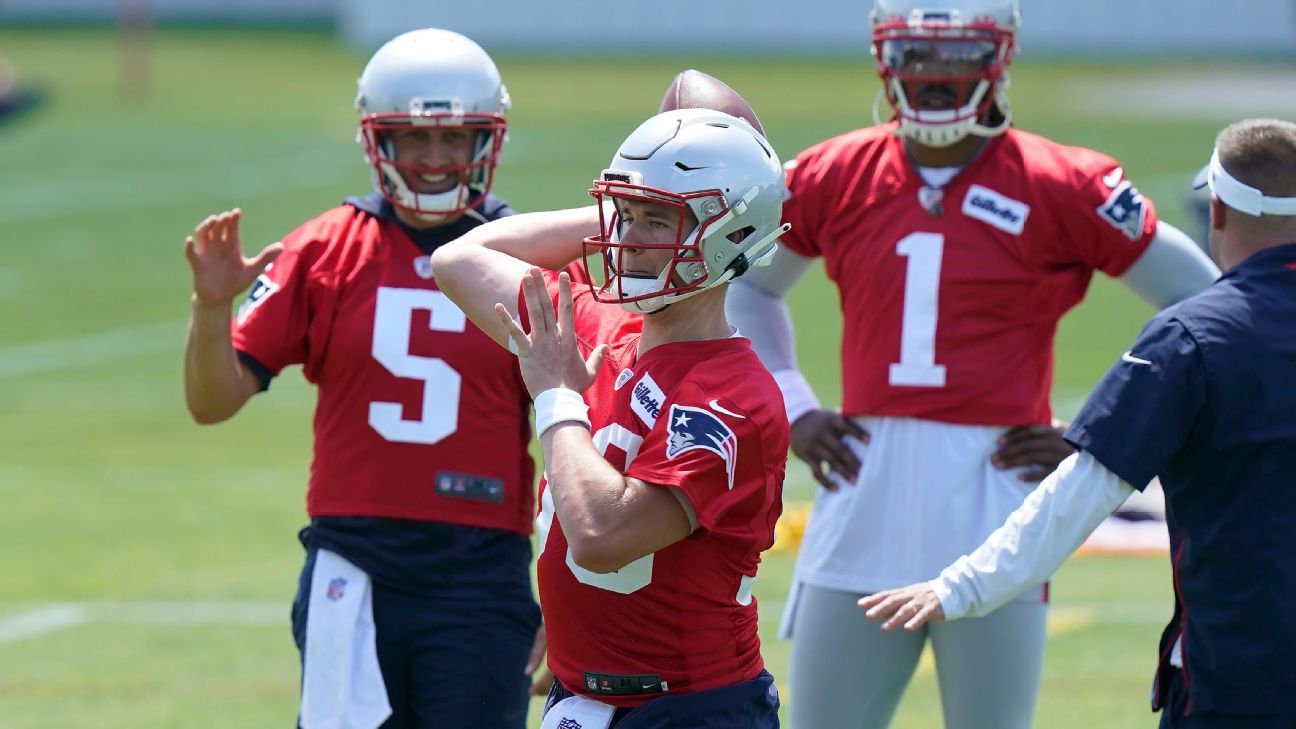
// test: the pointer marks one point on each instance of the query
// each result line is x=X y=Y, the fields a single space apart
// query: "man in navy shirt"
x=1205 y=399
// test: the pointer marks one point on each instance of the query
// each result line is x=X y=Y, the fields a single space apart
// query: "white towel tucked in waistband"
x=342 y=686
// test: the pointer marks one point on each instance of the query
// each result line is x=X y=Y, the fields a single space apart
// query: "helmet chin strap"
x=420 y=203
x=944 y=134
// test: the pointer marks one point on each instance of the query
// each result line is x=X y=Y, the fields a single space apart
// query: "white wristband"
x=559 y=405
x=798 y=398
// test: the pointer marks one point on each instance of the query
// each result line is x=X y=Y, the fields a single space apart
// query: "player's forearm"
x=1171 y=269
x=587 y=491
x=486 y=265
x=1036 y=539
x=591 y=500
x=549 y=239
x=216 y=383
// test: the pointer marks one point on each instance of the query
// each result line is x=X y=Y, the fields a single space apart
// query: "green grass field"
x=148 y=564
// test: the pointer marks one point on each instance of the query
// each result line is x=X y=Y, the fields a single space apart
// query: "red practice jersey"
x=707 y=418
x=420 y=415
x=951 y=315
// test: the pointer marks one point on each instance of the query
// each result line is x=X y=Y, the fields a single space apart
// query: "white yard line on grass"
x=91 y=349
x=47 y=619
x=54 y=617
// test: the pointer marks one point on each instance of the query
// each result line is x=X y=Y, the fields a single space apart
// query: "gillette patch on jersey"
x=696 y=428
x=470 y=486
x=261 y=290
x=1002 y=212
x=1125 y=210
x=646 y=400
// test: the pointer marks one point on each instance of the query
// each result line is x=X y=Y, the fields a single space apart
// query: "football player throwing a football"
x=414 y=606
x=957 y=243
x=664 y=437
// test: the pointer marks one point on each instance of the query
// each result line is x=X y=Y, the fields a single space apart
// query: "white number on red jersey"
x=393 y=319
x=917 y=366
x=634 y=576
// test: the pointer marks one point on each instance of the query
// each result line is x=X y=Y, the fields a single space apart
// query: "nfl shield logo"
x=423 y=267
x=591 y=684
x=569 y=723
x=336 y=589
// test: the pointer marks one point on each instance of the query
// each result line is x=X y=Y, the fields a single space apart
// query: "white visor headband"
x=1238 y=195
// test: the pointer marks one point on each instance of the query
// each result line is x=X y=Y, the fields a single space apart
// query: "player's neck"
x=957 y=154
x=696 y=319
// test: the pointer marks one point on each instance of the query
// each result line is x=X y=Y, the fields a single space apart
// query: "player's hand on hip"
x=1037 y=448
x=549 y=356
x=215 y=253
x=819 y=439
x=911 y=607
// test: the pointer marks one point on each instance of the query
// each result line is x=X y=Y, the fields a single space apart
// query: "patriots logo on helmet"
x=695 y=428
x=1124 y=210
x=261 y=290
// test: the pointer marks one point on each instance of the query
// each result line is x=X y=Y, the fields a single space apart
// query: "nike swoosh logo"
x=715 y=405
x=1127 y=357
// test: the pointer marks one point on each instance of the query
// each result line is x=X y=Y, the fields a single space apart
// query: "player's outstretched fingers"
x=519 y=342
x=202 y=231
x=594 y=362
x=566 y=309
x=539 y=308
x=266 y=256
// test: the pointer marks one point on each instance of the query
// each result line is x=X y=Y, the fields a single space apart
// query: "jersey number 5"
x=393 y=318
x=917 y=366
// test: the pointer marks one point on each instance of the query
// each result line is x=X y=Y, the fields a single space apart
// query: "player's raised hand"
x=911 y=606
x=819 y=439
x=215 y=253
x=1038 y=448
x=549 y=356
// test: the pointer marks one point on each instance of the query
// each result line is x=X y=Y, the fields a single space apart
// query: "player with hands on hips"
x=664 y=437
x=414 y=604
x=1203 y=400
x=956 y=242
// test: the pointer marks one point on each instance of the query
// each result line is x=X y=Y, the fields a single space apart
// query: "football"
x=693 y=89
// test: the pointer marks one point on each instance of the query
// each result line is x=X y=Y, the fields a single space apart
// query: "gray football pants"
x=847 y=674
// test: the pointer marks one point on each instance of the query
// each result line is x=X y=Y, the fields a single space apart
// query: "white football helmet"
x=944 y=65
x=432 y=78
x=707 y=162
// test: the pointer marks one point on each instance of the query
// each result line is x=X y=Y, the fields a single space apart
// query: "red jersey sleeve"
x=1108 y=223
x=273 y=324
x=706 y=446
x=802 y=203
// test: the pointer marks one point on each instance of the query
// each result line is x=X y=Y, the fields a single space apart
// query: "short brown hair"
x=1261 y=153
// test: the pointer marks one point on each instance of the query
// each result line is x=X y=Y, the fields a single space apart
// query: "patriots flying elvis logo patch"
x=261 y=290
x=695 y=428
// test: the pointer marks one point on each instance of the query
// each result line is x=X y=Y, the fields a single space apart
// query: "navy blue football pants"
x=750 y=704
x=444 y=662
x=1172 y=716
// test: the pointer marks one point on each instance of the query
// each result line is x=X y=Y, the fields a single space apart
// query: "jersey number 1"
x=917 y=366
x=393 y=318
